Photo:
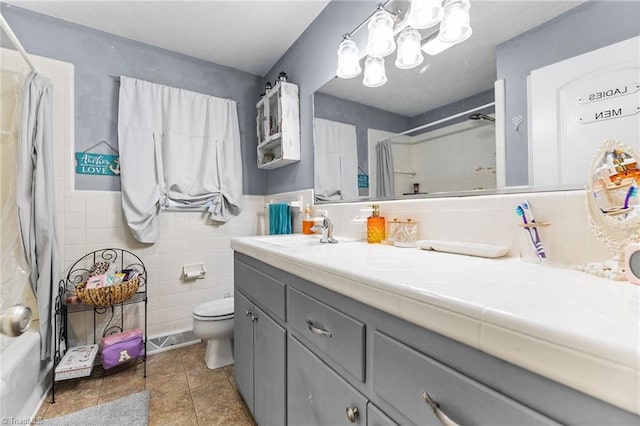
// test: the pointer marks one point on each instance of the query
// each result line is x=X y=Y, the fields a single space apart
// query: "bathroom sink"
x=299 y=240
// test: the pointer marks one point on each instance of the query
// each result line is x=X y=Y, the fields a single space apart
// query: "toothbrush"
x=520 y=212
x=633 y=191
x=535 y=235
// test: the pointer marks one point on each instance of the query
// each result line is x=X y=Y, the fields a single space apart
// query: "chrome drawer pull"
x=352 y=414
x=435 y=406
x=319 y=331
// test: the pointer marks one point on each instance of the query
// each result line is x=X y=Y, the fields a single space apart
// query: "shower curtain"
x=384 y=169
x=35 y=200
x=335 y=161
x=176 y=147
x=14 y=271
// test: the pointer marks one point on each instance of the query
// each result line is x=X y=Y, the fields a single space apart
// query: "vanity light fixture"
x=374 y=72
x=380 y=43
x=425 y=13
x=455 y=27
x=409 y=54
x=348 y=59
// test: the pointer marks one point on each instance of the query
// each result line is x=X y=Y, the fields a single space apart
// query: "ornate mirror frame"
x=613 y=204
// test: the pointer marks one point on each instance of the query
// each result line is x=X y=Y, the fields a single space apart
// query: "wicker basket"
x=107 y=296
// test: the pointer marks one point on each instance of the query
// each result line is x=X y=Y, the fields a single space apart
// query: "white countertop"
x=576 y=329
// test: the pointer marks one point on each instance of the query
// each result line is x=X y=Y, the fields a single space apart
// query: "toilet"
x=213 y=322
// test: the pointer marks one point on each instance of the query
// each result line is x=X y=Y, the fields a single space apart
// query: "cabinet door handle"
x=248 y=313
x=352 y=414
x=319 y=331
x=435 y=406
x=254 y=318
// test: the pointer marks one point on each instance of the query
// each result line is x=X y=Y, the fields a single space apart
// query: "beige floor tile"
x=230 y=413
x=171 y=382
x=111 y=392
x=42 y=411
x=163 y=362
x=70 y=401
x=215 y=394
x=177 y=406
x=199 y=376
x=183 y=391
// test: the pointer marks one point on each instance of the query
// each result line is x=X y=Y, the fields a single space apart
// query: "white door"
x=576 y=105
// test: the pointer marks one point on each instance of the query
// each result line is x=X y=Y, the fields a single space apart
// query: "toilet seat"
x=214 y=310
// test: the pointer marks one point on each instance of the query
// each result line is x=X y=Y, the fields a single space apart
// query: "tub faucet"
x=326 y=228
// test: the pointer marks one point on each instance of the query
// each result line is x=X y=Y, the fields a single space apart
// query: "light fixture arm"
x=379 y=7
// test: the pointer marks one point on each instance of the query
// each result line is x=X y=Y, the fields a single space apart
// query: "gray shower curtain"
x=35 y=200
x=384 y=169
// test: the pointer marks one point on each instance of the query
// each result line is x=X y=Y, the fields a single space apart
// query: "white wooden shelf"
x=278 y=126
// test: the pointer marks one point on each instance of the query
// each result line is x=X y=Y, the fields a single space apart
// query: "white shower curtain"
x=36 y=202
x=386 y=182
x=335 y=161
x=176 y=147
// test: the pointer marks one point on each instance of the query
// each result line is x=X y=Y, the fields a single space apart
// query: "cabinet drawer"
x=330 y=332
x=265 y=291
x=375 y=417
x=401 y=375
x=316 y=395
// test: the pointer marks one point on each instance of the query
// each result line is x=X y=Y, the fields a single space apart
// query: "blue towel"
x=279 y=219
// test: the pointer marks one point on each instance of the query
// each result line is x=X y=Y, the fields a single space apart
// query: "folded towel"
x=279 y=219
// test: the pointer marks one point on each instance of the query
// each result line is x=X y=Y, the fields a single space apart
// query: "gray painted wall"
x=590 y=26
x=362 y=116
x=99 y=56
x=310 y=63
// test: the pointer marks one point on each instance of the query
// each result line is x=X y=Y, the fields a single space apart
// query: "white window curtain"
x=177 y=148
x=335 y=161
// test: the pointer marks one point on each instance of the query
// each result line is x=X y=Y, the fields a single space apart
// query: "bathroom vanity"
x=369 y=334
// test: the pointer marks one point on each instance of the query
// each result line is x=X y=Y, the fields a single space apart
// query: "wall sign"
x=609 y=113
x=613 y=92
x=363 y=181
x=88 y=163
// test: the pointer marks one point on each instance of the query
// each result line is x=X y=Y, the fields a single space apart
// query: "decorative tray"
x=470 y=249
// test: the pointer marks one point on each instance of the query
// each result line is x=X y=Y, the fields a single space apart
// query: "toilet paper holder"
x=194 y=271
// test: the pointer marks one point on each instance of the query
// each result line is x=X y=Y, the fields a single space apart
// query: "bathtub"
x=23 y=378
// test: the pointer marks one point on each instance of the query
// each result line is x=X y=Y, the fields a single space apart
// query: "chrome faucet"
x=327 y=229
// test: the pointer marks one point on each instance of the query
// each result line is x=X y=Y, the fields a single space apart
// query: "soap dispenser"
x=375 y=226
x=307 y=221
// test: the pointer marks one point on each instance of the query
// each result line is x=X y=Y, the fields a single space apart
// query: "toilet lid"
x=215 y=308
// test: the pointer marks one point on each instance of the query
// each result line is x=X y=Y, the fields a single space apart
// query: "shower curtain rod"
x=14 y=40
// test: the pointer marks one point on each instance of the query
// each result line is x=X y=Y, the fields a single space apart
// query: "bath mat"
x=130 y=410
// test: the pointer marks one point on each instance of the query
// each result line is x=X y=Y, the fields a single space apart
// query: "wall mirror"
x=613 y=202
x=450 y=99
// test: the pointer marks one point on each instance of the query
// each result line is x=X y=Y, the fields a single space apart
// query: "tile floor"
x=183 y=391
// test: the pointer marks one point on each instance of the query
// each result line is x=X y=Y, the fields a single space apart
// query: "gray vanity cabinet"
x=405 y=378
x=375 y=417
x=328 y=331
x=317 y=396
x=260 y=344
x=243 y=347
x=308 y=356
x=260 y=368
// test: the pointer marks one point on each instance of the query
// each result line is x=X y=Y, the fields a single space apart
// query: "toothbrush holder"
x=529 y=252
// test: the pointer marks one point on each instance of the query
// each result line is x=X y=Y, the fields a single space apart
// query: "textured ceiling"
x=247 y=35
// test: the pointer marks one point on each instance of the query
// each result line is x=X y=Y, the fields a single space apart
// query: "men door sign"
x=89 y=163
